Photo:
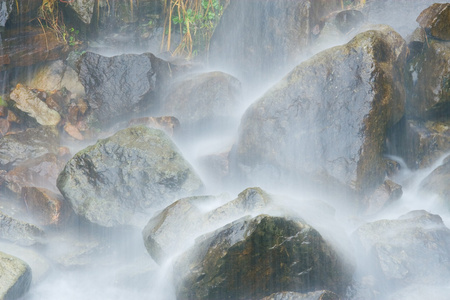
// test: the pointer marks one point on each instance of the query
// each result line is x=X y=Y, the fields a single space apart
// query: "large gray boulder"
x=255 y=257
x=412 y=249
x=15 y=277
x=20 y=232
x=136 y=169
x=326 y=121
x=119 y=86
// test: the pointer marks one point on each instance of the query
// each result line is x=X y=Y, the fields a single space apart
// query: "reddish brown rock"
x=436 y=19
x=12 y=117
x=3 y=111
x=28 y=45
x=45 y=206
x=40 y=171
x=4 y=127
x=73 y=131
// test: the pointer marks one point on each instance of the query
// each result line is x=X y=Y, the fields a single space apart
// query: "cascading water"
x=87 y=259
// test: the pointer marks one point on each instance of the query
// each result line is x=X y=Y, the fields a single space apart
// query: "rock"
x=73 y=131
x=168 y=124
x=318 y=295
x=203 y=100
x=6 y=7
x=348 y=20
x=384 y=195
x=31 y=143
x=289 y=132
x=84 y=9
x=412 y=249
x=45 y=206
x=28 y=102
x=254 y=257
x=119 y=86
x=22 y=12
x=417 y=41
x=29 y=45
x=38 y=263
x=40 y=171
x=435 y=20
x=4 y=127
x=419 y=143
x=19 y=232
x=54 y=75
x=179 y=224
x=136 y=169
x=430 y=96
x=255 y=39
x=437 y=183
x=15 y=277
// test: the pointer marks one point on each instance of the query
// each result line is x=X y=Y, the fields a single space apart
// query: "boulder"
x=40 y=171
x=437 y=183
x=119 y=86
x=20 y=232
x=84 y=9
x=15 y=277
x=386 y=194
x=25 y=46
x=31 y=143
x=254 y=257
x=170 y=231
x=136 y=169
x=203 y=100
x=419 y=143
x=256 y=39
x=46 y=207
x=27 y=101
x=430 y=96
x=6 y=7
x=435 y=20
x=168 y=124
x=326 y=121
x=349 y=20
x=412 y=249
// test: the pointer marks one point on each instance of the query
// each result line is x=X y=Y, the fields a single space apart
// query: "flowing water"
x=117 y=265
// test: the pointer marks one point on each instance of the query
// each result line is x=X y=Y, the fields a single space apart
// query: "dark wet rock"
x=179 y=224
x=326 y=121
x=15 y=277
x=435 y=20
x=208 y=99
x=31 y=143
x=254 y=257
x=27 y=101
x=416 y=42
x=438 y=182
x=430 y=95
x=135 y=169
x=348 y=20
x=419 y=143
x=28 y=45
x=20 y=232
x=21 y=12
x=168 y=124
x=119 y=86
x=386 y=194
x=412 y=249
x=41 y=171
x=6 y=7
x=317 y=295
x=46 y=207
x=257 y=38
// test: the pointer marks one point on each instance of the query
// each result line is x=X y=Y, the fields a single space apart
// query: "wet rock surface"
x=437 y=183
x=342 y=99
x=254 y=257
x=20 y=232
x=179 y=224
x=33 y=142
x=435 y=20
x=121 y=85
x=409 y=250
x=135 y=169
x=318 y=295
x=208 y=99
x=15 y=277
